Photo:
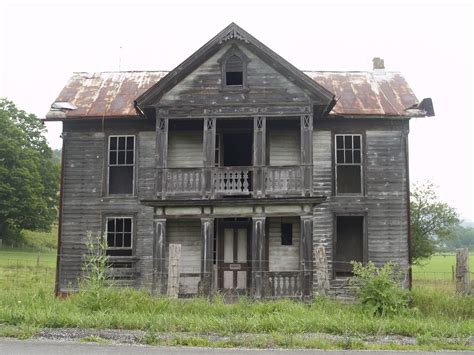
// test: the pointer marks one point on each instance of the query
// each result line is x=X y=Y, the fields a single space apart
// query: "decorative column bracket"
x=259 y=149
x=161 y=154
x=307 y=150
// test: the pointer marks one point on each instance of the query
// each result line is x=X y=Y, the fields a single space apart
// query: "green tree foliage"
x=29 y=179
x=463 y=238
x=432 y=222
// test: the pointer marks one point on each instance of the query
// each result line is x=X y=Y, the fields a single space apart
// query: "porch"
x=261 y=257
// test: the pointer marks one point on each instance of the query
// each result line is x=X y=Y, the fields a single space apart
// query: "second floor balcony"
x=233 y=181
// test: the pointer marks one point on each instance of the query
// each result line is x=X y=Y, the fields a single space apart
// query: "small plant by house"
x=378 y=288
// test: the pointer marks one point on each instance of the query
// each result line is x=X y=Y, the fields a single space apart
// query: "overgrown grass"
x=27 y=304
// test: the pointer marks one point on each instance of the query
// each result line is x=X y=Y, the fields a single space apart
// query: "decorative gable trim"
x=234 y=33
x=320 y=95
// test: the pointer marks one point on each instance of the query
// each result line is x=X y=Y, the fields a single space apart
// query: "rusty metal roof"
x=112 y=94
x=377 y=93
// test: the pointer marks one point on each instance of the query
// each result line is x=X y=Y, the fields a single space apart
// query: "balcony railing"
x=232 y=181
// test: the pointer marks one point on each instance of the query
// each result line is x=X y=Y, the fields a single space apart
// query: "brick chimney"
x=378 y=63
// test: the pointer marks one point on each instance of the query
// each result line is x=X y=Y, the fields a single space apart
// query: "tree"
x=432 y=221
x=29 y=179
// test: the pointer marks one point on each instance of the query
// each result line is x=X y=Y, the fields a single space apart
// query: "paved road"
x=36 y=347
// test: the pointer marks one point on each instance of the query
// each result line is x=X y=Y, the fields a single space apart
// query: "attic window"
x=234 y=71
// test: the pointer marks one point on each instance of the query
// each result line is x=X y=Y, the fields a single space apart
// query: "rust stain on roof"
x=112 y=94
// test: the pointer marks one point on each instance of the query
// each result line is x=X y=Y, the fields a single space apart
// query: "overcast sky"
x=429 y=42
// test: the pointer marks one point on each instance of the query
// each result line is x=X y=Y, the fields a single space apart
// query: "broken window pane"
x=286 y=234
x=121 y=180
x=349 y=179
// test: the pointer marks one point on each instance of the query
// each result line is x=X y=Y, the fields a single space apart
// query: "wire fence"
x=31 y=271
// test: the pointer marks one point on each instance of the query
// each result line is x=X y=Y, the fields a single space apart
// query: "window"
x=349 y=243
x=348 y=164
x=234 y=71
x=119 y=236
x=121 y=164
x=286 y=234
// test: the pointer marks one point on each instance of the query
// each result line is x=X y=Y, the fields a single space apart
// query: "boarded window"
x=234 y=71
x=121 y=164
x=349 y=243
x=286 y=234
x=119 y=236
x=348 y=158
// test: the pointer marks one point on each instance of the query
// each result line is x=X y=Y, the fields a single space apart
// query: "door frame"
x=223 y=224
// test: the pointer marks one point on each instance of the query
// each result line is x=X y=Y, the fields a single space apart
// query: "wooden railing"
x=284 y=284
x=184 y=181
x=232 y=180
x=283 y=179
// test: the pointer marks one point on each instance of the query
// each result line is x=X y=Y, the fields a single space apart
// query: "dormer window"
x=234 y=69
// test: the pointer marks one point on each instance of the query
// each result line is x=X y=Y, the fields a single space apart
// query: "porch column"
x=259 y=144
x=258 y=255
x=209 y=147
x=161 y=153
x=207 y=235
x=159 y=265
x=306 y=241
x=307 y=151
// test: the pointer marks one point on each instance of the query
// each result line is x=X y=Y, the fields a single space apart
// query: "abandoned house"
x=245 y=161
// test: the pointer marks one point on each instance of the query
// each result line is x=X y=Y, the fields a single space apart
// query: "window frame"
x=365 y=234
x=109 y=165
x=234 y=50
x=361 y=163
x=132 y=232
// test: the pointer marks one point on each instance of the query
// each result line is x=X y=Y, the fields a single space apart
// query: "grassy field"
x=438 y=267
x=27 y=304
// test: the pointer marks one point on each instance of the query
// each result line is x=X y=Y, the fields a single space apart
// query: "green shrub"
x=378 y=288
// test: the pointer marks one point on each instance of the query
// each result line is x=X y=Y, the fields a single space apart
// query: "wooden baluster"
x=278 y=288
x=239 y=181
x=246 y=181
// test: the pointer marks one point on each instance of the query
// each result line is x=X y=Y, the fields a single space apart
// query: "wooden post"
x=159 y=243
x=207 y=235
x=463 y=282
x=259 y=149
x=306 y=231
x=307 y=151
x=258 y=255
x=161 y=154
x=173 y=270
x=209 y=152
x=321 y=268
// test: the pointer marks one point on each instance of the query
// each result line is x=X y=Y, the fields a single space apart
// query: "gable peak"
x=233 y=32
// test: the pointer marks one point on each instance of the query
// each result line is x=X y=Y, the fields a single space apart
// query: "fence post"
x=321 y=266
x=173 y=270
x=463 y=283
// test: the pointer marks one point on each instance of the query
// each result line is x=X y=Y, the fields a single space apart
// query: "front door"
x=233 y=259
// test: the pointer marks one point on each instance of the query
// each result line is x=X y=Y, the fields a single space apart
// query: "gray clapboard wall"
x=86 y=204
x=285 y=147
x=185 y=149
x=203 y=85
x=283 y=257
x=384 y=202
x=188 y=234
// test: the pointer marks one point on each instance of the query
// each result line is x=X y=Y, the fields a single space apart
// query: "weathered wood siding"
x=283 y=257
x=203 y=85
x=384 y=202
x=185 y=149
x=86 y=204
x=284 y=147
x=188 y=234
